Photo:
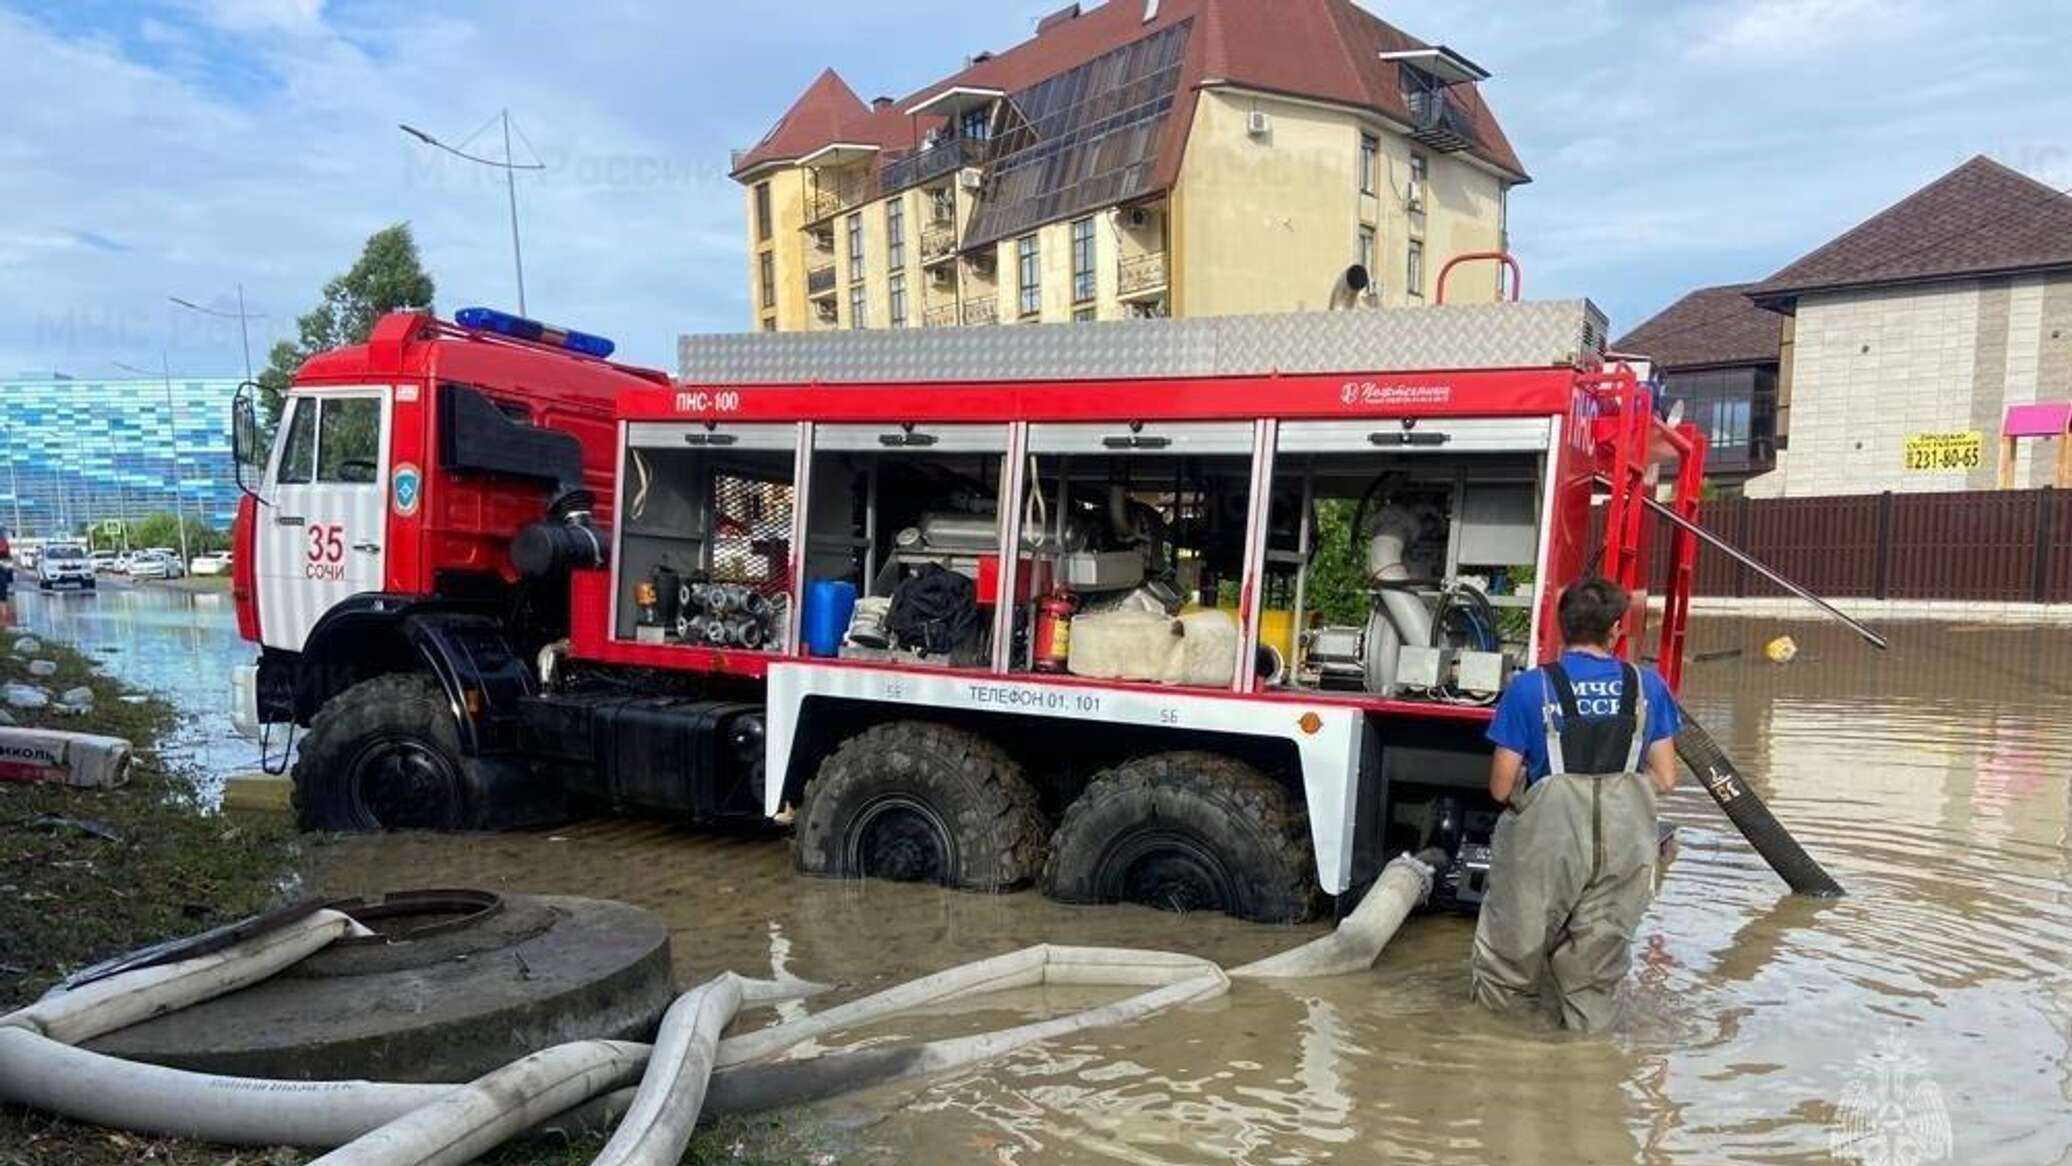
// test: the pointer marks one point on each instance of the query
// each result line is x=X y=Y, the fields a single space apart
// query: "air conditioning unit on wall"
x=1258 y=123
x=969 y=179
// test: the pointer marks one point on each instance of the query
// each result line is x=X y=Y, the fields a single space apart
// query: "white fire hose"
x=689 y=1071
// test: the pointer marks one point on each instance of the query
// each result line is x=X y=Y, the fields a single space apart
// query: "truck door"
x=321 y=535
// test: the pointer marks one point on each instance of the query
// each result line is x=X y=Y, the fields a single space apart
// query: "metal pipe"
x=1752 y=563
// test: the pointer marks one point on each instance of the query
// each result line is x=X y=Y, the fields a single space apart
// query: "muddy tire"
x=385 y=755
x=1186 y=832
x=917 y=802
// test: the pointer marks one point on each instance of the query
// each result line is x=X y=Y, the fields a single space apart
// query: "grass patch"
x=69 y=898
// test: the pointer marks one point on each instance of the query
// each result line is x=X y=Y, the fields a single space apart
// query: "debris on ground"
x=25 y=696
x=86 y=826
x=1717 y=655
x=43 y=669
x=1782 y=650
x=27 y=646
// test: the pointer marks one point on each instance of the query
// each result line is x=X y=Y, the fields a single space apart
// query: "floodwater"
x=1934 y=781
x=1937 y=996
x=177 y=644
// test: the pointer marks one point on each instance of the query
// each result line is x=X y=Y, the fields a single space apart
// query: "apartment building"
x=1139 y=158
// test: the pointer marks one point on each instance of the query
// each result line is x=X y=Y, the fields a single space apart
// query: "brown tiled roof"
x=1710 y=326
x=1327 y=50
x=1981 y=218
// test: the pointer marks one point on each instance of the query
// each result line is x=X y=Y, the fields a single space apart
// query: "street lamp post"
x=244 y=334
x=173 y=425
x=510 y=169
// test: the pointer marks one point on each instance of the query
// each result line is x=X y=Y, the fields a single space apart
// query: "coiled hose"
x=1716 y=772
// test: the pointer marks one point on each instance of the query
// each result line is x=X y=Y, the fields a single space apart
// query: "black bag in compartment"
x=934 y=611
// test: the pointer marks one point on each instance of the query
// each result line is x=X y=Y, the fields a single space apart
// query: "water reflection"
x=177 y=644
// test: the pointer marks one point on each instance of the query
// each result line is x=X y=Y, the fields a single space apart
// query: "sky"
x=161 y=148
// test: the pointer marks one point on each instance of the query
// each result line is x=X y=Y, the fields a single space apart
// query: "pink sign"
x=2043 y=419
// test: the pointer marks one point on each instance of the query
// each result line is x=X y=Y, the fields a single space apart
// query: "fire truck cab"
x=1204 y=614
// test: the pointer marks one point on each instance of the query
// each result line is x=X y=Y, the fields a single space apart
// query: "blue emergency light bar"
x=520 y=328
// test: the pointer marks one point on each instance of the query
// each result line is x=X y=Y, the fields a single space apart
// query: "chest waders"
x=1573 y=865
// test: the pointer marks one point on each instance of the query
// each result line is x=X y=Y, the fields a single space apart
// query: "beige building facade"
x=1098 y=172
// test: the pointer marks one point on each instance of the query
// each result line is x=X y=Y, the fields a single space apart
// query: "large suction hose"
x=1717 y=774
x=378 y=1124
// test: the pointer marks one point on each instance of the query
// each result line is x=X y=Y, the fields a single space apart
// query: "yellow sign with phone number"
x=1946 y=452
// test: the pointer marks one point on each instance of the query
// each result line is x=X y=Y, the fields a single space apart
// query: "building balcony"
x=1439 y=123
x=942 y=316
x=820 y=281
x=944 y=157
x=824 y=202
x=983 y=310
x=1141 y=276
x=938 y=242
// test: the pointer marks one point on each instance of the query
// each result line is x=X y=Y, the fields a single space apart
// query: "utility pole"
x=510 y=166
x=244 y=334
x=173 y=427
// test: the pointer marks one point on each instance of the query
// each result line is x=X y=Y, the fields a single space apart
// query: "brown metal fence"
x=1983 y=546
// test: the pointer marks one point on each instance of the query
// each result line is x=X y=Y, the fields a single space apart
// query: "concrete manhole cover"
x=454 y=984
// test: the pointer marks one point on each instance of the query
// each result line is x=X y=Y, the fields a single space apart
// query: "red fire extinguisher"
x=1054 y=630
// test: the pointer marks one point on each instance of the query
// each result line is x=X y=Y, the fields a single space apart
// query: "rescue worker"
x=1584 y=746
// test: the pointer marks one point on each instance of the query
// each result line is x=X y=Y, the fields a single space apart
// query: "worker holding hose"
x=1583 y=747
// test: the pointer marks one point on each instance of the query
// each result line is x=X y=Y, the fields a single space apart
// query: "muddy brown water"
x=1935 y=781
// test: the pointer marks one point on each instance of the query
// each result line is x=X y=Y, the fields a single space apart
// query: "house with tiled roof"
x=1717 y=354
x=1921 y=338
x=1136 y=158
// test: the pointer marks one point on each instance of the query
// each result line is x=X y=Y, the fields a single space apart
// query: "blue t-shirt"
x=1599 y=683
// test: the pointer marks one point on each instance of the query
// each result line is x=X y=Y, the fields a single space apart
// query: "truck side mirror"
x=248 y=445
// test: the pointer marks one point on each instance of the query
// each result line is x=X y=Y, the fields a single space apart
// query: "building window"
x=897 y=285
x=767 y=276
x=859 y=316
x=1417 y=179
x=1367 y=253
x=1082 y=260
x=1085 y=315
x=769 y=323
x=1730 y=423
x=762 y=212
x=1370 y=163
x=1028 y=275
x=895 y=234
x=856 y=246
x=976 y=123
x=1413 y=270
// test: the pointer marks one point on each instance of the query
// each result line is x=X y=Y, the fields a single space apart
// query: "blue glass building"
x=76 y=451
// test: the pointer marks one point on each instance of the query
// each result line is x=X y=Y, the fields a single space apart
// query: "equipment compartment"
x=706 y=536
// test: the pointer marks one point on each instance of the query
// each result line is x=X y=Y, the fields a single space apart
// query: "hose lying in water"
x=689 y=1071
x=1749 y=815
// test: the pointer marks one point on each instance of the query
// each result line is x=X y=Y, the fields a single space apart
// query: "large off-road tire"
x=1186 y=831
x=385 y=755
x=918 y=802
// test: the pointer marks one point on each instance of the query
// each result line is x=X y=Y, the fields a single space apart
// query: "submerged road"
x=1933 y=781
x=180 y=644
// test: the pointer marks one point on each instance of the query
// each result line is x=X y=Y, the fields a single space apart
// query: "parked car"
x=62 y=565
x=106 y=562
x=210 y=563
x=155 y=565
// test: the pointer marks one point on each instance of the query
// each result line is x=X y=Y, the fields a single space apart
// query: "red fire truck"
x=1203 y=614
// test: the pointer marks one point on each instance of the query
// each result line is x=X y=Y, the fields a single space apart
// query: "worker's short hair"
x=1590 y=609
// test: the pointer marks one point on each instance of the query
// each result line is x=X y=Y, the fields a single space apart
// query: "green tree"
x=161 y=529
x=388 y=277
x=1338 y=586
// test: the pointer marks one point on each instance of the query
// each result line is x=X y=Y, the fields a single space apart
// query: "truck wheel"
x=918 y=802
x=385 y=755
x=1185 y=832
